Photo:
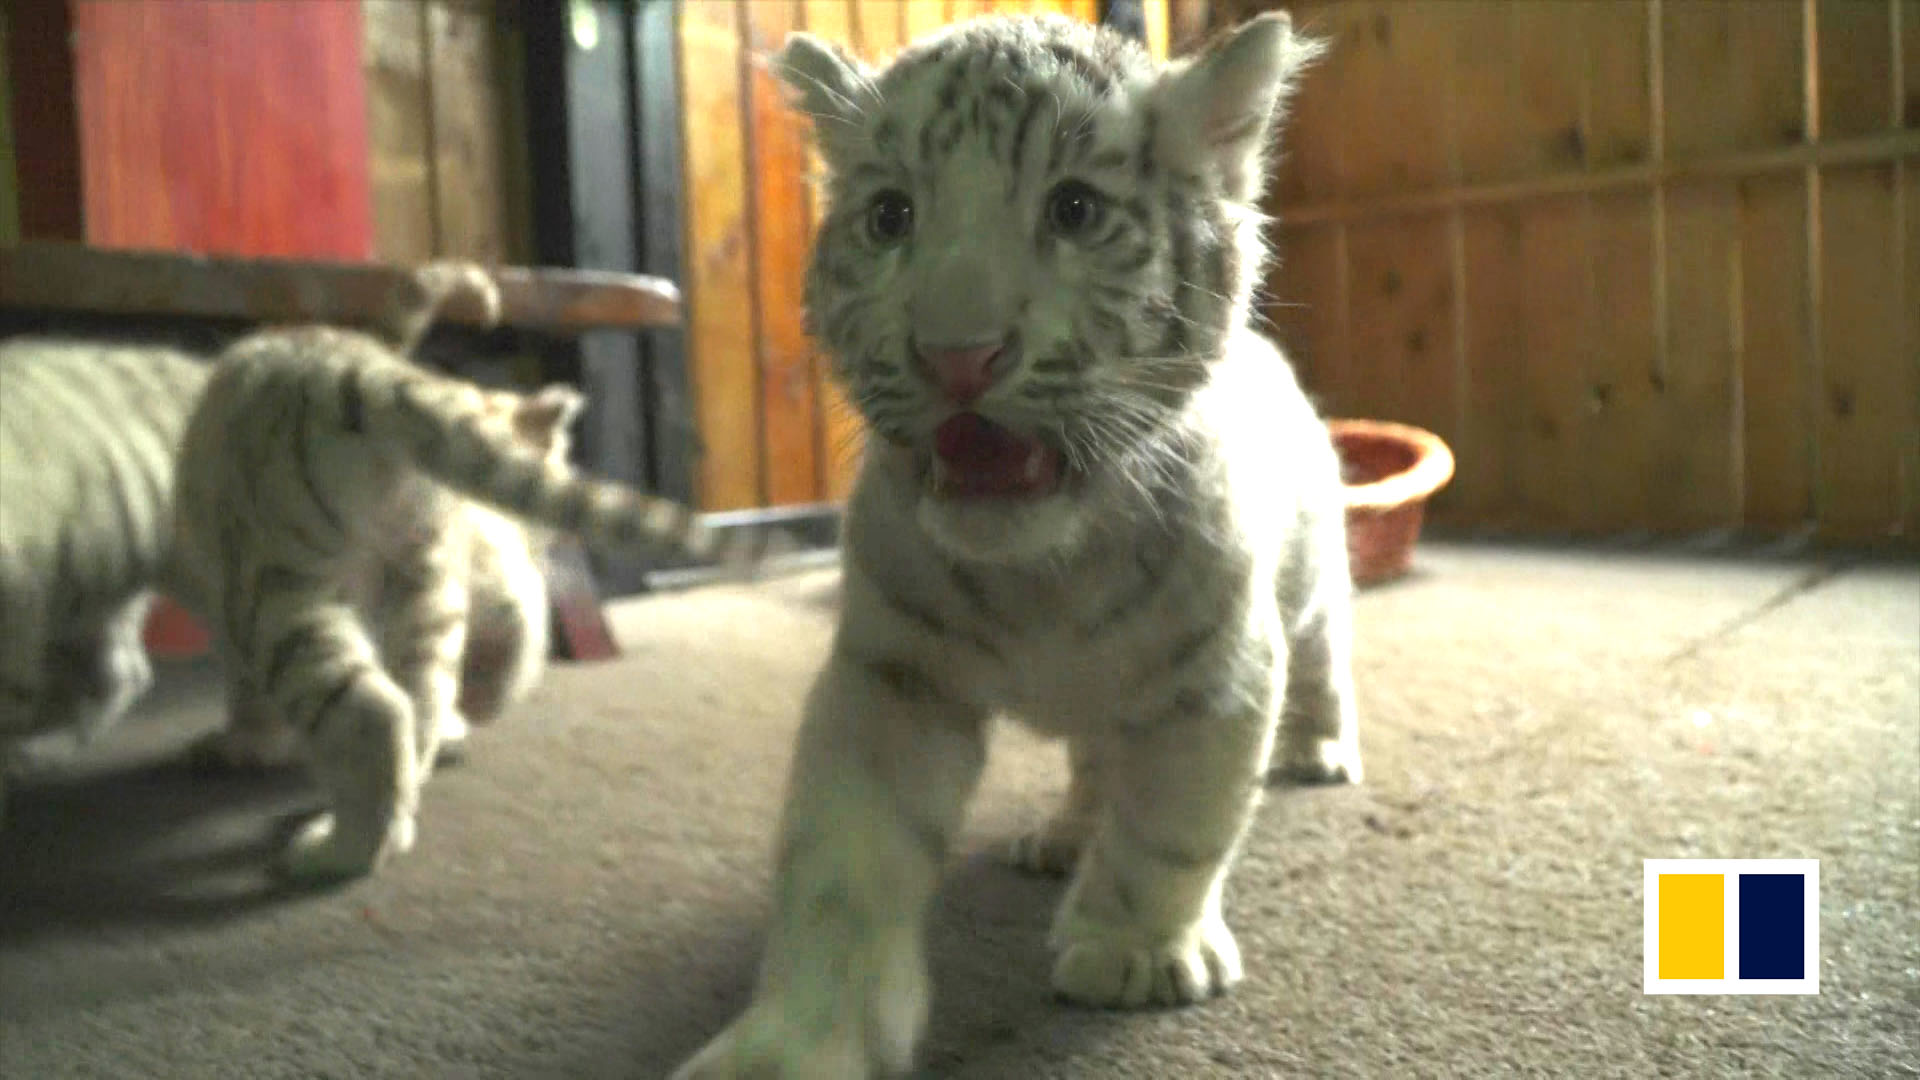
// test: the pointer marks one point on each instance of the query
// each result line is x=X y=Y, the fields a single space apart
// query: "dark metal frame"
x=603 y=132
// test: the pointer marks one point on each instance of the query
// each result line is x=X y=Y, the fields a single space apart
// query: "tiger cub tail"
x=508 y=450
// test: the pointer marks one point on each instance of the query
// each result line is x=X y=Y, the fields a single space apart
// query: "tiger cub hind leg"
x=255 y=735
x=319 y=671
x=423 y=613
x=1054 y=847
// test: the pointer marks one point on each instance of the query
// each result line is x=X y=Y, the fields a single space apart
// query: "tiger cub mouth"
x=975 y=458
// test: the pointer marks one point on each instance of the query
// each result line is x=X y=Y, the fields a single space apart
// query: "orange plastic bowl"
x=1391 y=470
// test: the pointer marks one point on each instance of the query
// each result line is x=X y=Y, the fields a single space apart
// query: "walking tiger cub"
x=88 y=432
x=330 y=496
x=1099 y=503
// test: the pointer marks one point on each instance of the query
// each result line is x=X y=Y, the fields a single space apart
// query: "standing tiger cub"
x=1096 y=500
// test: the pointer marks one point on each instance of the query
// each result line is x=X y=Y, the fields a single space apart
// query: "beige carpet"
x=588 y=890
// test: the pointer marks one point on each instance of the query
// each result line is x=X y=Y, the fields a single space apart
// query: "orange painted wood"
x=719 y=282
x=788 y=402
x=841 y=434
x=213 y=126
x=922 y=17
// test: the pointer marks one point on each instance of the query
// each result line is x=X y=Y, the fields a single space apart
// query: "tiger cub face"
x=1037 y=242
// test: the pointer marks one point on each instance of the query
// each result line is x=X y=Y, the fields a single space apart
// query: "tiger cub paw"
x=1319 y=761
x=450 y=747
x=1123 y=968
x=319 y=852
x=1052 y=849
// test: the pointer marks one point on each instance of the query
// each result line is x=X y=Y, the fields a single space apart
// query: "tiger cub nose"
x=963 y=373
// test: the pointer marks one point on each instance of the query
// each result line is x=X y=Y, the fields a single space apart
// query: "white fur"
x=1172 y=613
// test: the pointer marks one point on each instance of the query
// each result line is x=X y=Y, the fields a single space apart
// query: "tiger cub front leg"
x=1141 y=923
x=883 y=768
x=1055 y=846
x=423 y=627
x=312 y=659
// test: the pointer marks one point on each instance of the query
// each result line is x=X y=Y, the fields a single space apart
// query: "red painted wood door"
x=221 y=128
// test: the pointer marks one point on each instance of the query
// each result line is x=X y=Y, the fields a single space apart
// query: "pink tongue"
x=983 y=458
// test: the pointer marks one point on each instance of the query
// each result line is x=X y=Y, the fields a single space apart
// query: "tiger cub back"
x=88 y=433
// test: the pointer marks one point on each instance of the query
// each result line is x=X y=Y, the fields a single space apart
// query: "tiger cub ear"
x=542 y=418
x=1219 y=110
x=831 y=87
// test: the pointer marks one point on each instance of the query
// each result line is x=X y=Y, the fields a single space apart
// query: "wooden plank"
x=780 y=230
x=1869 y=403
x=1186 y=25
x=962 y=10
x=1394 y=55
x=877 y=29
x=1616 y=399
x=73 y=277
x=9 y=162
x=1556 y=334
x=1619 y=122
x=1549 y=87
x=1908 y=12
x=185 y=132
x=922 y=17
x=719 y=279
x=1856 y=67
x=1159 y=28
x=840 y=438
x=1481 y=97
x=1310 y=142
x=1776 y=362
x=1087 y=11
x=1733 y=78
x=1909 y=233
x=1622 y=400
x=470 y=185
x=40 y=70
x=1693 y=483
x=1400 y=311
x=1306 y=304
x=1487 y=450
x=399 y=130
x=1547 y=121
x=1884 y=148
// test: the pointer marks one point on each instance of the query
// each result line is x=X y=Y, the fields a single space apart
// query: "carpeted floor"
x=587 y=894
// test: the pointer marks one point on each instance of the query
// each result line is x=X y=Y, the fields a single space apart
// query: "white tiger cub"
x=88 y=432
x=323 y=484
x=1097 y=501
x=508 y=641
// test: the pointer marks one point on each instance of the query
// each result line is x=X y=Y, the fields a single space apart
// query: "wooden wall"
x=446 y=129
x=774 y=431
x=1646 y=264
